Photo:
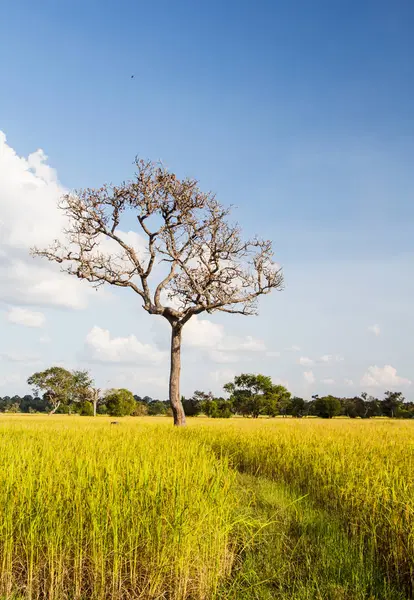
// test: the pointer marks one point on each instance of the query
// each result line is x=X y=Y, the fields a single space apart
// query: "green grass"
x=298 y=552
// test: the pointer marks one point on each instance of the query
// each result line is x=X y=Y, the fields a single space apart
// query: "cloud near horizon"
x=101 y=347
x=385 y=377
x=26 y=317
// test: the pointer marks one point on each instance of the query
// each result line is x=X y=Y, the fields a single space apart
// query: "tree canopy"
x=186 y=249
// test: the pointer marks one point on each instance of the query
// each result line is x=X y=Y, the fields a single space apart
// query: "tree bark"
x=95 y=397
x=175 y=370
x=52 y=412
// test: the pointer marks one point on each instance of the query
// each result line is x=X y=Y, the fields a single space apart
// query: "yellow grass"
x=142 y=510
x=89 y=510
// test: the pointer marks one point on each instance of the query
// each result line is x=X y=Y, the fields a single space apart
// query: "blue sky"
x=299 y=113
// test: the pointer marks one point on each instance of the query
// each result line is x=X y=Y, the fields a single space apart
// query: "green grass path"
x=298 y=552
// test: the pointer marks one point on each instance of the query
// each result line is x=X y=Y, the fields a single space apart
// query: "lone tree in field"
x=187 y=252
x=57 y=384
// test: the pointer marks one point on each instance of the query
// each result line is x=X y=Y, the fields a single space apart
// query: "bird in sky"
x=132 y=76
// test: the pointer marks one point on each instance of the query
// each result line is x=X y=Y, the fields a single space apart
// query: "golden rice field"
x=268 y=508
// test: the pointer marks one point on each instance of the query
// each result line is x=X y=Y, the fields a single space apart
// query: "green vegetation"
x=300 y=552
x=119 y=403
x=249 y=395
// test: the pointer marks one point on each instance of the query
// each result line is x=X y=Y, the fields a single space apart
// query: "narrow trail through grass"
x=298 y=552
x=361 y=473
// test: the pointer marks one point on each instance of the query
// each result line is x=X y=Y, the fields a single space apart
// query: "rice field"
x=239 y=508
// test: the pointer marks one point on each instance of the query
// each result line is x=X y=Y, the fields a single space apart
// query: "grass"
x=93 y=511
x=362 y=472
x=232 y=509
x=300 y=552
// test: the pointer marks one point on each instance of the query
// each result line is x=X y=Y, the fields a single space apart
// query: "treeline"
x=57 y=390
x=256 y=395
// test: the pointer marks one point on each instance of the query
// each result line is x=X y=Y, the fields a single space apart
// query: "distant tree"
x=372 y=405
x=119 y=402
x=40 y=404
x=391 y=403
x=355 y=407
x=241 y=400
x=140 y=410
x=193 y=406
x=405 y=411
x=327 y=407
x=30 y=404
x=209 y=407
x=297 y=407
x=5 y=402
x=217 y=408
x=17 y=400
x=224 y=408
x=255 y=395
x=157 y=407
x=27 y=403
x=277 y=401
x=86 y=409
x=57 y=385
x=208 y=267
x=84 y=390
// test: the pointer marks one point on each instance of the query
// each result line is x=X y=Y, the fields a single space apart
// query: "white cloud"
x=24 y=316
x=7 y=379
x=29 y=191
x=248 y=344
x=283 y=382
x=202 y=333
x=328 y=381
x=375 y=329
x=383 y=377
x=101 y=347
x=28 y=359
x=139 y=382
x=222 y=376
x=309 y=376
x=218 y=356
x=206 y=335
x=34 y=284
x=348 y=382
x=330 y=358
x=305 y=361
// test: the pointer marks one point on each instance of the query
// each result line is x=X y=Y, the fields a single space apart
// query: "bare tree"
x=197 y=257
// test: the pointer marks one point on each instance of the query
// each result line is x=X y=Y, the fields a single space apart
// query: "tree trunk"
x=52 y=412
x=95 y=397
x=175 y=369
